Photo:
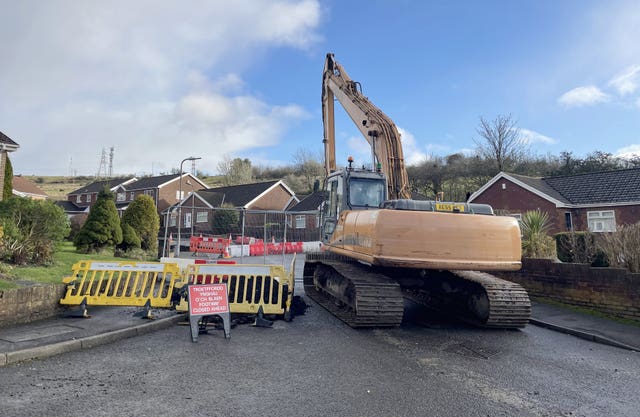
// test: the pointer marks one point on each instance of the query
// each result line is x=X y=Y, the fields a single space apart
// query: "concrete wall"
x=609 y=290
x=23 y=305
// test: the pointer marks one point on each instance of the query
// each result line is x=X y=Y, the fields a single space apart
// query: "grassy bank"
x=64 y=258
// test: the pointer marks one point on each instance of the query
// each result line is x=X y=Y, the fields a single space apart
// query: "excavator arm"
x=376 y=127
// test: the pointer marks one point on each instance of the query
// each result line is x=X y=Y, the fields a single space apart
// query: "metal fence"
x=241 y=227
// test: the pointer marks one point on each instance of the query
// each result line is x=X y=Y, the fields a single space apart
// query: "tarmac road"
x=317 y=366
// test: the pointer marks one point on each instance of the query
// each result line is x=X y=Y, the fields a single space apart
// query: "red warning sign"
x=208 y=299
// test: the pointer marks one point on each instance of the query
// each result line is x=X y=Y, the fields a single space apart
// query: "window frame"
x=601 y=221
x=199 y=216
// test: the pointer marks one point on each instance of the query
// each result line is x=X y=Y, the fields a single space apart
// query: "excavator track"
x=352 y=292
x=477 y=298
x=362 y=297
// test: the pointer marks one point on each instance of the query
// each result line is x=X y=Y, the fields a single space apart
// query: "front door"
x=187 y=219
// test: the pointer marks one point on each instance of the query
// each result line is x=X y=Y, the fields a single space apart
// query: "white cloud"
x=360 y=149
x=153 y=80
x=627 y=81
x=410 y=150
x=530 y=136
x=628 y=151
x=583 y=96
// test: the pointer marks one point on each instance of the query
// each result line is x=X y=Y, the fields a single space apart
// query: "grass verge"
x=63 y=259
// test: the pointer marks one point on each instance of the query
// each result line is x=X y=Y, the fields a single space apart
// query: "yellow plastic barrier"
x=249 y=286
x=121 y=283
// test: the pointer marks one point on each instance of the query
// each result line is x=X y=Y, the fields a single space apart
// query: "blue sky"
x=160 y=81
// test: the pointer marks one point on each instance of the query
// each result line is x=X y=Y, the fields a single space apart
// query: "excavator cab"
x=351 y=189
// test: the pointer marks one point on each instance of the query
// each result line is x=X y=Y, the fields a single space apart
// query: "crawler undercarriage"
x=366 y=296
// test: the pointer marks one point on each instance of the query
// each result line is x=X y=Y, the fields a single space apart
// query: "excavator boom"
x=376 y=127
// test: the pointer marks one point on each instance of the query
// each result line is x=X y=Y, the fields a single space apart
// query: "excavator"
x=380 y=246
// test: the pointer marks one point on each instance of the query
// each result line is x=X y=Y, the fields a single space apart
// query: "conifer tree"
x=102 y=228
x=143 y=217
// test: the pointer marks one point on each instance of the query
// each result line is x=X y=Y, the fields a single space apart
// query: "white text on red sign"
x=208 y=299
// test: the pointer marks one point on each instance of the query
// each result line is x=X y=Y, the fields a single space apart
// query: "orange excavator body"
x=428 y=240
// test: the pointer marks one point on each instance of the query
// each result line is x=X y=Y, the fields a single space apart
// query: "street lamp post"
x=191 y=158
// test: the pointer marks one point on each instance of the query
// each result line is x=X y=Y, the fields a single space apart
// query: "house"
x=304 y=218
x=269 y=195
x=164 y=189
x=23 y=187
x=197 y=209
x=70 y=209
x=6 y=145
x=598 y=201
x=86 y=196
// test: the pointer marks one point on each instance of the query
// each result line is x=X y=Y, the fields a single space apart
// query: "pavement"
x=58 y=335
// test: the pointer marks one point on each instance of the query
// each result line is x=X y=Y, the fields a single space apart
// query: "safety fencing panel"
x=121 y=283
x=199 y=244
x=250 y=286
x=267 y=231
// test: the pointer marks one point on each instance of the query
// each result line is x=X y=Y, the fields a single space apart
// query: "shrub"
x=142 y=216
x=102 y=228
x=579 y=247
x=130 y=239
x=76 y=222
x=30 y=229
x=536 y=243
x=622 y=247
x=7 y=191
x=225 y=221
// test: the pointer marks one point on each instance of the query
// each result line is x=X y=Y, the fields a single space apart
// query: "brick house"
x=85 y=197
x=164 y=189
x=6 y=145
x=304 y=217
x=597 y=201
x=198 y=208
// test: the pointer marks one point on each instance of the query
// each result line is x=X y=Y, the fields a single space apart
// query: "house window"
x=132 y=196
x=121 y=196
x=201 y=217
x=568 y=221
x=148 y=192
x=79 y=198
x=517 y=216
x=172 y=220
x=301 y=222
x=601 y=221
x=179 y=196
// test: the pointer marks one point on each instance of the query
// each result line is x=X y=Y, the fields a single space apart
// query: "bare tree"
x=500 y=141
x=308 y=165
x=427 y=177
x=235 y=171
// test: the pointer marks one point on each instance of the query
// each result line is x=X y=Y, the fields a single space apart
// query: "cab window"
x=366 y=193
